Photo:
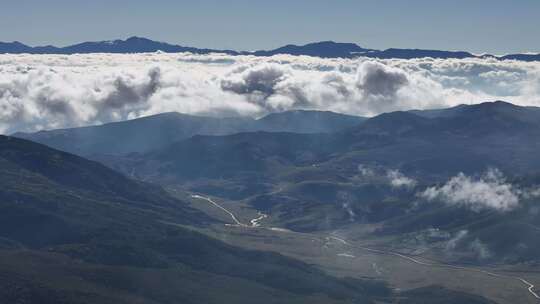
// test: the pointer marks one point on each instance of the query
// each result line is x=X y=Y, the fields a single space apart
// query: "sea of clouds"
x=57 y=91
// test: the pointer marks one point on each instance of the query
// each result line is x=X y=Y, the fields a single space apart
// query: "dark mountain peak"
x=492 y=108
x=420 y=53
x=498 y=104
x=308 y=121
x=17 y=43
x=303 y=113
x=438 y=113
x=489 y=106
x=325 y=49
x=137 y=135
x=399 y=122
x=138 y=39
x=501 y=102
x=135 y=40
x=325 y=44
x=311 y=115
x=487 y=118
x=333 y=44
x=153 y=132
x=522 y=57
x=130 y=45
x=13 y=44
x=14 y=47
x=491 y=118
x=396 y=117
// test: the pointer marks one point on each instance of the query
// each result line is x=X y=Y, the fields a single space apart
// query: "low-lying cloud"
x=56 y=91
x=489 y=191
x=399 y=180
x=393 y=177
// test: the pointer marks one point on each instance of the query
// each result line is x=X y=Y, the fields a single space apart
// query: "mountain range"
x=113 y=213
x=157 y=131
x=324 y=49
x=75 y=231
x=302 y=169
x=95 y=236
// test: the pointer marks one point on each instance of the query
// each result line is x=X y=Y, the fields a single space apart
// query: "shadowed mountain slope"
x=70 y=217
x=74 y=231
x=157 y=131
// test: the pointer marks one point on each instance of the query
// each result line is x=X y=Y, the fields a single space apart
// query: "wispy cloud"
x=452 y=243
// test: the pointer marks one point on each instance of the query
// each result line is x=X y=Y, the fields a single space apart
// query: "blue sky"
x=494 y=26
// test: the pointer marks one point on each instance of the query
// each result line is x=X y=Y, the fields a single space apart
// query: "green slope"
x=74 y=231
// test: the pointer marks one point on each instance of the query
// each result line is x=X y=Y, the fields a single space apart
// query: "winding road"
x=255 y=224
x=220 y=207
x=529 y=285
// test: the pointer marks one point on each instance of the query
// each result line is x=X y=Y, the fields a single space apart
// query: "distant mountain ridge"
x=461 y=139
x=376 y=166
x=157 y=131
x=323 y=49
x=302 y=180
x=130 y=45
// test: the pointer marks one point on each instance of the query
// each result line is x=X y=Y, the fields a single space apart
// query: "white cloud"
x=531 y=193
x=490 y=191
x=399 y=180
x=392 y=177
x=54 y=91
x=366 y=171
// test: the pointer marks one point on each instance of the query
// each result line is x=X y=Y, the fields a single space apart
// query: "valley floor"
x=339 y=254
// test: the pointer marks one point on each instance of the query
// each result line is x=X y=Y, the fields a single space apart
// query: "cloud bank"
x=56 y=91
